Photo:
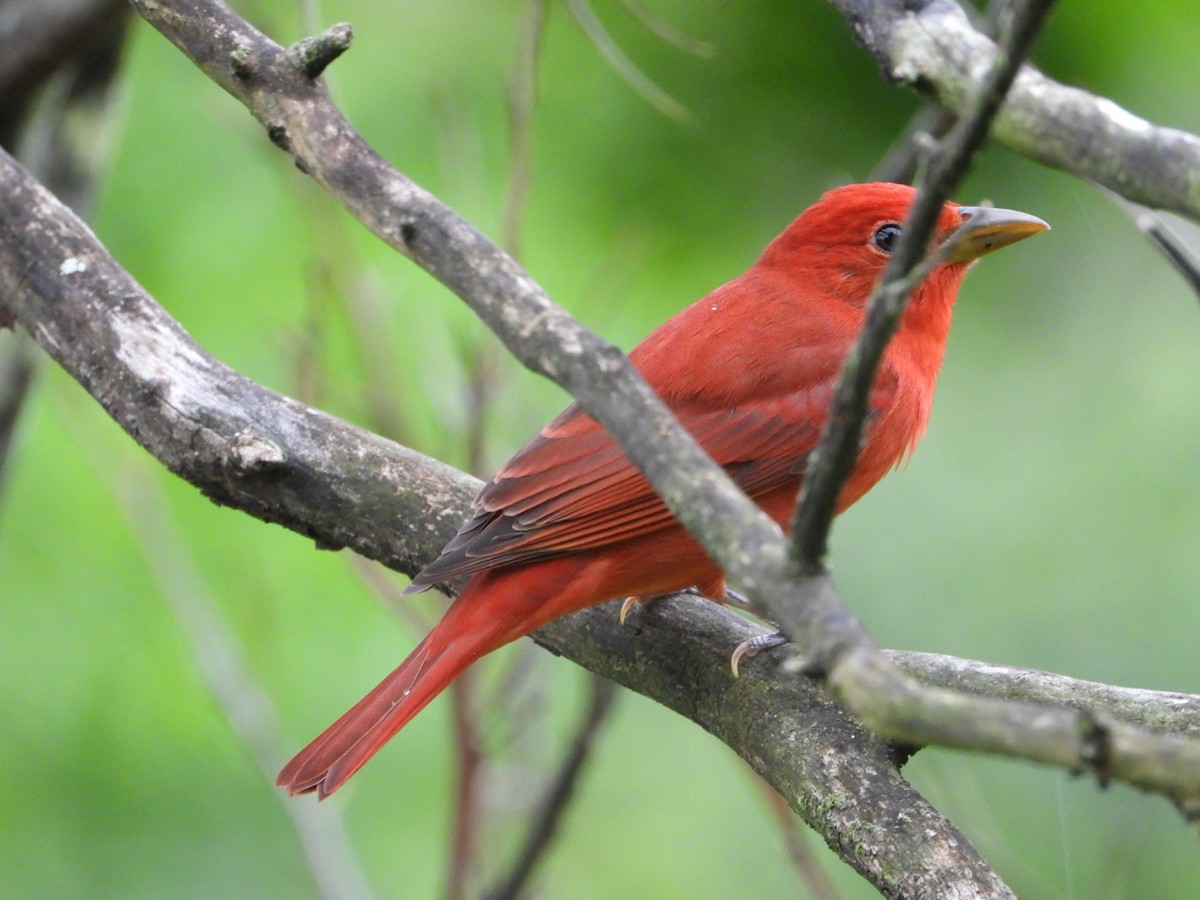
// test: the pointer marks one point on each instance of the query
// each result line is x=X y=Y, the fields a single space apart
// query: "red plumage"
x=749 y=370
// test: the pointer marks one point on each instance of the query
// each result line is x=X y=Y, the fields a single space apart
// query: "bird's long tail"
x=346 y=745
x=495 y=607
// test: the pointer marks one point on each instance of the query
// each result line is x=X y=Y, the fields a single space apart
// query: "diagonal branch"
x=625 y=67
x=931 y=46
x=300 y=118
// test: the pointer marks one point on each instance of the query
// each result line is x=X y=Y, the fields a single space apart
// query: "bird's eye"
x=886 y=236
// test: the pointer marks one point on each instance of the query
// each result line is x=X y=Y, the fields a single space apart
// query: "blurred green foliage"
x=1050 y=519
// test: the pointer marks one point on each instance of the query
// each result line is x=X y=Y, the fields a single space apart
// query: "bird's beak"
x=986 y=228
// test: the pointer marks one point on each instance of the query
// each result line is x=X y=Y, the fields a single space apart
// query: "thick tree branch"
x=839 y=777
x=931 y=46
x=300 y=118
x=239 y=443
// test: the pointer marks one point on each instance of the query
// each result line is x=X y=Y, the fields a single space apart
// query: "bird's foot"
x=750 y=648
x=729 y=598
x=710 y=590
x=629 y=604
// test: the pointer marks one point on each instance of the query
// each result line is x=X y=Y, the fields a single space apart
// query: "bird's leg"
x=714 y=590
x=731 y=598
x=631 y=602
x=717 y=592
x=749 y=648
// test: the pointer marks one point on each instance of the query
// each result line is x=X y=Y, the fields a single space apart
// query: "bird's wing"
x=571 y=488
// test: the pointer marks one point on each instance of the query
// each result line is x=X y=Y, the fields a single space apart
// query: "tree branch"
x=239 y=443
x=300 y=118
x=832 y=771
x=1164 y=711
x=18 y=365
x=930 y=46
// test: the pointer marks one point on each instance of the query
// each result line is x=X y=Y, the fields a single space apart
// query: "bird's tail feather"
x=494 y=608
x=346 y=745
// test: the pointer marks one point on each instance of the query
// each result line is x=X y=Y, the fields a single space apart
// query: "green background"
x=1050 y=519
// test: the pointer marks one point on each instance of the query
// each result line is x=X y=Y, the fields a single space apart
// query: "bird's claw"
x=630 y=603
x=754 y=646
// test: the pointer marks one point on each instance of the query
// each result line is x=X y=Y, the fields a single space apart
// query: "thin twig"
x=521 y=99
x=1157 y=230
x=548 y=816
x=902 y=159
x=624 y=66
x=1171 y=246
x=667 y=32
x=18 y=365
x=468 y=771
x=481 y=353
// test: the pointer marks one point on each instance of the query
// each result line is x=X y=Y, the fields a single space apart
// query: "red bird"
x=750 y=371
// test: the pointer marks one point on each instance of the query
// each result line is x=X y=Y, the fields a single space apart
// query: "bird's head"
x=841 y=244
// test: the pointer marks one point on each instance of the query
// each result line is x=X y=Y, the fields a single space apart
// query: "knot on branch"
x=409 y=233
x=1095 y=746
x=279 y=137
x=254 y=454
x=312 y=54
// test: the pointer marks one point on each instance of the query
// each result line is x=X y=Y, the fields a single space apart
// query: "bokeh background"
x=1050 y=519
